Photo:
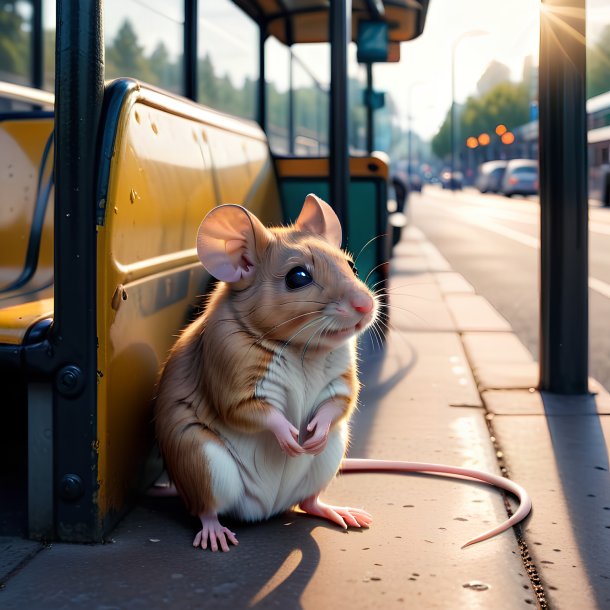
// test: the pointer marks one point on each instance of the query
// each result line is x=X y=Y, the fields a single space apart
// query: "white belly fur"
x=270 y=481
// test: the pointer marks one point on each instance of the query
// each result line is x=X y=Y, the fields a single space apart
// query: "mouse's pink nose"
x=362 y=303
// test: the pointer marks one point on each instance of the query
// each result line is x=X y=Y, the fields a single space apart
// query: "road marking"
x=528 y=214
x=599 y=286
x=527 y=240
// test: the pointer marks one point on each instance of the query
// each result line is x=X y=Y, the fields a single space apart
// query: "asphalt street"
x=493 y=242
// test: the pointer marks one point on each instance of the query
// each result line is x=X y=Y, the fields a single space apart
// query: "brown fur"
x=213 y=368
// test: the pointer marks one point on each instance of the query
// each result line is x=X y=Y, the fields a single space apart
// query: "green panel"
x=367 y=218
x=294 y=191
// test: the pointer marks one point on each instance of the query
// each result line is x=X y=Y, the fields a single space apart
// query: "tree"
x=14 y=47
x=441 y=142
x=598 y=65
x=164 y=72
x=506 y=103
x=125 y=57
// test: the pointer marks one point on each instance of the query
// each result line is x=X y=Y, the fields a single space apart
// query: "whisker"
x=405 y=294
x=302 y=315
x=368 y=243
x=388 y=306
x=373 y=270
x=285 y=345
x=328 y=323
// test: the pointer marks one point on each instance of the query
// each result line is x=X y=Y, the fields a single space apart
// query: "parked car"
x=489 y=176
x=452 y=180
x=520 y=178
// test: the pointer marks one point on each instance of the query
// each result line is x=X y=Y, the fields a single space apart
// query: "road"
x=494 y=243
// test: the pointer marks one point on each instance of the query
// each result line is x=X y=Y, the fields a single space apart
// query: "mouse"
x=253 y=403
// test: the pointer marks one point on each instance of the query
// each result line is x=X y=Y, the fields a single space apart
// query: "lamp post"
x=410 y=128
x=453 y=137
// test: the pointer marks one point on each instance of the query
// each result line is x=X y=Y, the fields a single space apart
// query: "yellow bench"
x=26 y=224
x=171 y=162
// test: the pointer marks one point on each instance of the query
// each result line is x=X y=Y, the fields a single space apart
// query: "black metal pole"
x=290 y=102
x=563 y=199
x=261 y=110
x=191 y=80
x=370 y=124
x=340 y=35
x=79 y=89
x=453 y=113
x=37 y=45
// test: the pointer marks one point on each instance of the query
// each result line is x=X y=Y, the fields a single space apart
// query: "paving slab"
x=416 y=303
x=14 y=552
x=563 y=461
x=507 y=376
x=484 y=348
x=473 y=312
x=531 y=402
x=451 y=282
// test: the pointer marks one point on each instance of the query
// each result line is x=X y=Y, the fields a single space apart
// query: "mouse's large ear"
x=319 y=218
x=230 y=241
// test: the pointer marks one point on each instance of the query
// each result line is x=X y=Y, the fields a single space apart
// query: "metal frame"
x=340 y=36
x=79 y=92
x=563 y=199
x=191 y=74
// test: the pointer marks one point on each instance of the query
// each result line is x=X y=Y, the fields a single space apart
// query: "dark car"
x=520 y=178
x=452 y=180
x=489 y=176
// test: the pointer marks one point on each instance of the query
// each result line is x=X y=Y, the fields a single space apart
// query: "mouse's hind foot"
x=343 y=516
x=213 y=534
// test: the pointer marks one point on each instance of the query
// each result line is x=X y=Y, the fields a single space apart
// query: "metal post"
x=340 y=35
x=262 y=84
x=453 y=118
x=37 y=45
x=563 y=199
x=191 y=21
x=370 y=124
x=291 y=102
x=79 y=91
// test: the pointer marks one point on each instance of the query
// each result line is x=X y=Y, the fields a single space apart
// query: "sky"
x=503 y=31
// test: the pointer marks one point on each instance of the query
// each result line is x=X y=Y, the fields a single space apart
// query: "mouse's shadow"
x=271 y=567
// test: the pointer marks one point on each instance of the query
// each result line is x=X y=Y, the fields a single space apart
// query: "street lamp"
x=456 y=42
x=410 y=128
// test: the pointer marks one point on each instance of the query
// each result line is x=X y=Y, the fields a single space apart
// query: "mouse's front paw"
x=319 y=427
x=286 y=434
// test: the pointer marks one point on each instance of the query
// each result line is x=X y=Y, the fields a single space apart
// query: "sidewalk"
x=452 y=385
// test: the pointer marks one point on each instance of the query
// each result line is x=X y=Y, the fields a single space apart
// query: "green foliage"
x=14 y=42
x=506 y=103
x=125 y=57
x=598 y=65
x=441 y=142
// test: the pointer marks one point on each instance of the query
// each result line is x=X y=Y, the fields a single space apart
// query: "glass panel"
x=277 y=66
x=310 y=74
x=16 y=42
x=48 y=49
x=227 y=58
x=145 y=40
x=357 y=112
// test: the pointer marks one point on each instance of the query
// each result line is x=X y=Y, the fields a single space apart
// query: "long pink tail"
x=525 y=503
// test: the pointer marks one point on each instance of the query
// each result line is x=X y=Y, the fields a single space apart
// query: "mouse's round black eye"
x=298 y=278
x=353 y=267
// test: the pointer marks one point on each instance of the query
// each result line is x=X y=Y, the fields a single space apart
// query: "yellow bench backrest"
x=23 y=169
x=172 y=161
